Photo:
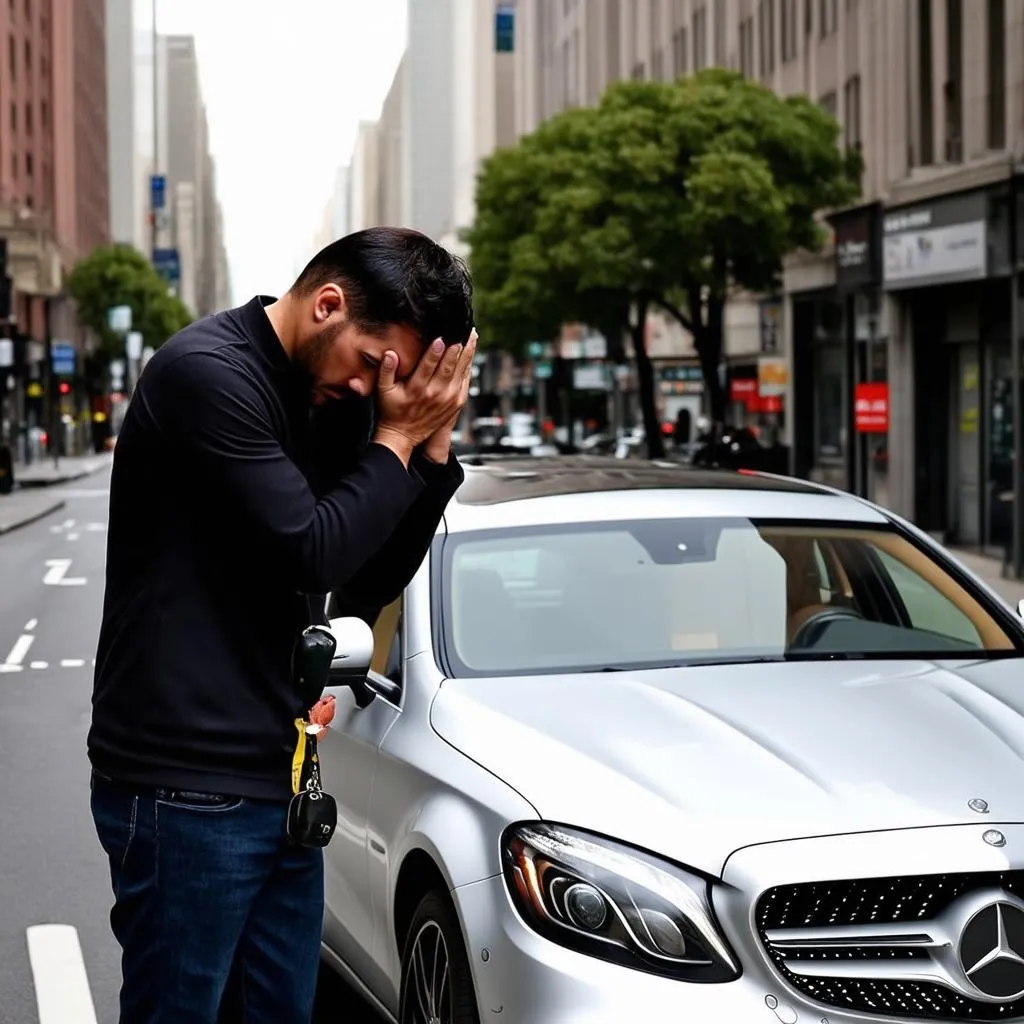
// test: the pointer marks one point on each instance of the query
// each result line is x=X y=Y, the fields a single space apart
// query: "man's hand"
x=438 y=446
x=425 y=406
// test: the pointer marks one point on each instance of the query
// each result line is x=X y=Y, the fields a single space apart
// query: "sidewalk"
x=43 y=473
x=990 y=570
x=32 y=498
x=24 y=507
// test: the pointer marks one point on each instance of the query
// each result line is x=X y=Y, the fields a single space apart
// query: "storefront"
x=946 y=264
x=819 y=387
x=756 y=391
x=865 y=413
x=680 y=386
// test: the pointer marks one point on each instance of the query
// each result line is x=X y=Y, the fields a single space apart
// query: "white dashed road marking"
x=17 y=654
x=31 y=624
x=85 y=492
x=58 y=970
x=39 y=664
x=72 y=662
x=56 y=574
x=95 y=527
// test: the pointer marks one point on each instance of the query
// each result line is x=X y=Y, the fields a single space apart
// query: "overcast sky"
x=285 y=85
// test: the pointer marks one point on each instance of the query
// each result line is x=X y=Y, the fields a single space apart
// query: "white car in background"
x=647 y=743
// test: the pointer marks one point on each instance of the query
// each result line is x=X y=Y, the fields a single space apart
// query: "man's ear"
x=328 y=303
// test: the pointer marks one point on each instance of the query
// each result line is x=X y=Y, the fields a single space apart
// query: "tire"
x=455 y=1000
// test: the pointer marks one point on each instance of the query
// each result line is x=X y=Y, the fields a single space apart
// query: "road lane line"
x=40 y=664
x=58 y=971
x=72 y=662
x=31 y=624
x=18 y=652
x=56 y=574
x=95 y=527
x=72 y=536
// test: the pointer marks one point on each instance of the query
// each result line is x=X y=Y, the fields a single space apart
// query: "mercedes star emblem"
x=992 y=951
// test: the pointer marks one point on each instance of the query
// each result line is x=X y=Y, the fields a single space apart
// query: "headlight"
x=609 y=901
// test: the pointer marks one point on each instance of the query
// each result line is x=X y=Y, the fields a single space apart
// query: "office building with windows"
x=913 y=292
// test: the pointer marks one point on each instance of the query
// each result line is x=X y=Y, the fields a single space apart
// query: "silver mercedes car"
x=642 y=742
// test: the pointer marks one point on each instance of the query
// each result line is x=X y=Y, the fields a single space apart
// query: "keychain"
x=312 y=813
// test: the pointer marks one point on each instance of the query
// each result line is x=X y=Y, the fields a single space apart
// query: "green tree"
x=119 y=275
x=664 y=196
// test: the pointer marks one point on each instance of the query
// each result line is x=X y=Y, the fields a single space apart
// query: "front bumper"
x=523 y=978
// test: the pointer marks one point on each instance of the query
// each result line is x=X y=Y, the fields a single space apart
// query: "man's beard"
x=313 y=355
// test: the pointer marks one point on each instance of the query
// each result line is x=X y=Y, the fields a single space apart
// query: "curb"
x=36 y=485
x=33 y=516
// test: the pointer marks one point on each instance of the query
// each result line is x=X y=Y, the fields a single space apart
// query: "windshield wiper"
x=694 y=663
x=809 y=655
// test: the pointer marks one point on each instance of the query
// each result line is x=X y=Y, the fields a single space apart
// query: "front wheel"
x=437 y=984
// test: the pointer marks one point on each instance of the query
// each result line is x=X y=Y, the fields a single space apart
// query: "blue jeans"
x=206 y=894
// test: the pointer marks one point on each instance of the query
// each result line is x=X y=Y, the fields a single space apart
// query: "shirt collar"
x=262 y=333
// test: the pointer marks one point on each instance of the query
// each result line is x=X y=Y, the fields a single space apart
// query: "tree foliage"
x=665 y=195
x=119 y=275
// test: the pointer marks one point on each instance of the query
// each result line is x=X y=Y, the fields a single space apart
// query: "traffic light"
x=64 y=388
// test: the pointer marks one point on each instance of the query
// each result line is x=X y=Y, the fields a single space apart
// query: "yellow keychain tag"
x=299 y=757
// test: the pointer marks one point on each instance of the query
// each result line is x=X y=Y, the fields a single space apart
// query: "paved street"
x=51 y=585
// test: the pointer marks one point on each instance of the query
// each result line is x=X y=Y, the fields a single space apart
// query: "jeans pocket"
x=115 y=815
x=190 y=800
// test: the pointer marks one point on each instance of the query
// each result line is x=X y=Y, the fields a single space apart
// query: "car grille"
x=864 y=944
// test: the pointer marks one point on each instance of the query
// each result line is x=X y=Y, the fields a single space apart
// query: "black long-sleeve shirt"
x=234 y=509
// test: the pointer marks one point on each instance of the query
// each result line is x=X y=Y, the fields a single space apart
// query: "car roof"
x=512 y=490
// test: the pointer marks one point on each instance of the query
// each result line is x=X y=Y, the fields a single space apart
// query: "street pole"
x=853 y=441
x=156 y=134
x=1015 y=361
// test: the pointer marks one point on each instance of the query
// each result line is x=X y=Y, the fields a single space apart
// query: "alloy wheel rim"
x=430 y=995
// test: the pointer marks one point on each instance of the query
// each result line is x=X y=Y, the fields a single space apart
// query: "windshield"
x=649 y=593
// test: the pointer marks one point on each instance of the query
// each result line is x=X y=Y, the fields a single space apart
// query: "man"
x=271 y=454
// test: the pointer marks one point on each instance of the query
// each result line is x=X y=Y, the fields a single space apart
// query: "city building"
x=334 y=223
x=54 y=197
x=896 y=338
x=79 y=76
x=192 y=226
x=450 y=104
x=126 y=172
x=394 y=174
x=460 y=87
x=364 y=178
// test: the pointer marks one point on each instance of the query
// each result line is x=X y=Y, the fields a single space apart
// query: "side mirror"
x=352 y=657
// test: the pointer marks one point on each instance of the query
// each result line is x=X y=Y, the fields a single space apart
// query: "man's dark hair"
x=396 y=276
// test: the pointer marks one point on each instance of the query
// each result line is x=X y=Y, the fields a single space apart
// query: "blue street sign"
x=157 y=191
x=505 y=28
x=62 y=356
x=168 y=265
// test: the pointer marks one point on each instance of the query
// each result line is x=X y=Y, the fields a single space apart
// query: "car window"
x=926 y=606
x=663 y=592
x=387 y=642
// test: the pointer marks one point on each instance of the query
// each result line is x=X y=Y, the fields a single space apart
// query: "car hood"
x=697 y=762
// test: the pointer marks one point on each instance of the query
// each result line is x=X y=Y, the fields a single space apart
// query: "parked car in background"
x=649 y=742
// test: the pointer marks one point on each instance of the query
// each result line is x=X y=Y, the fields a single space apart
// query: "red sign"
x=765 y=404
x=742 y=389
x=871 y=408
